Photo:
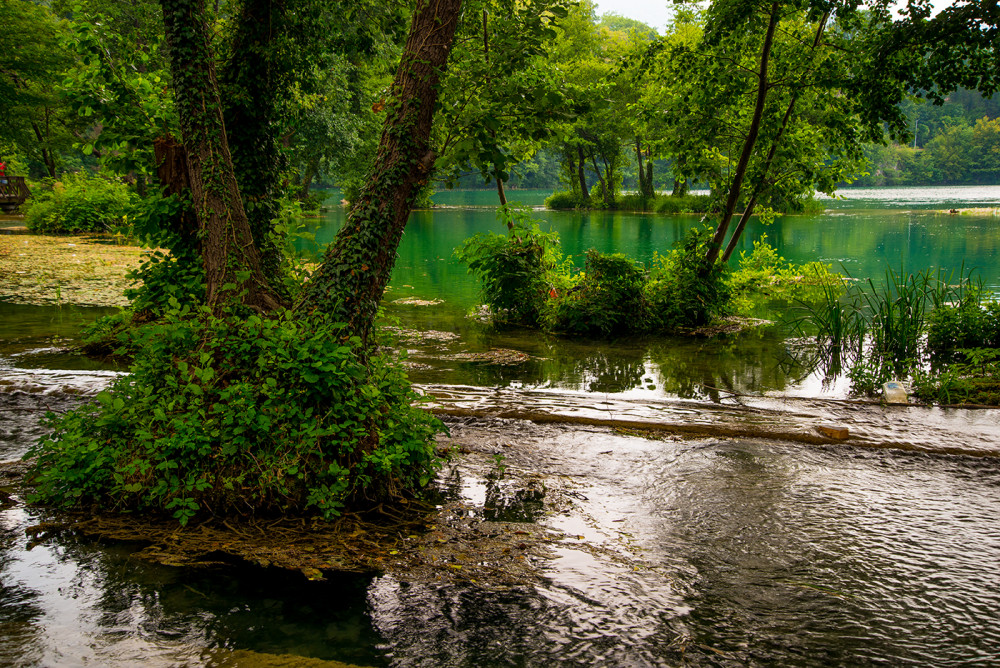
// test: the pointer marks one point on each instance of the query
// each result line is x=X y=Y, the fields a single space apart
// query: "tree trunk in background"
x=356 y=267
x=639 y=166
x=736 y=187
x=649 y=173
x=600 y=179
x=172 y=172
x=581 y=174
x=486 y=54
x=228 y=252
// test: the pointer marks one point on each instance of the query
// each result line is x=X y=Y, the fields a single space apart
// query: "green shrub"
x=684 y=289
x=241 y=414
x=516 y=269
x=81 y=203
x=607 y=299
x=764 y=271
x=974 y=378
x=633 y=202
x=565 y=199
x=967 y=323
x=682 y=204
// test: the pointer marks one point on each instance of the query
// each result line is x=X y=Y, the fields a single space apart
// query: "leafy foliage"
x=516 y=269
x=940 y=332
x=81 y=203
x=525 y=281
x=241 y=414
x=607 y=299
x=686 y=290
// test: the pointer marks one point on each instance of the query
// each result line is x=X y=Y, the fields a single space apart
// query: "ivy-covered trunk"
x=356 y=267
x=254 y=78
x=231 y=261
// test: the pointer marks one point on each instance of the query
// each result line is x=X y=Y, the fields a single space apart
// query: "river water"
x=700 y=548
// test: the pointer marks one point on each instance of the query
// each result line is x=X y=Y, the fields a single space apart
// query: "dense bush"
x=524 y=281
x=967 y=323
x=566 y=199
x=607 y=299
x=682 y=204
x=633 y=202
x=238 y=414
x=81 y=203
x=684 y=290
x=764 y=271
x=516 y=270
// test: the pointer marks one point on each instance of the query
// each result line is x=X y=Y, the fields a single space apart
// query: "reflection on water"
x=67 y=603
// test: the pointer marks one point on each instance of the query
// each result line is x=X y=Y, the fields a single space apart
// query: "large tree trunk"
x=172 y=172
x=736 y=187
x=228 y=253
x=253 y=82
x=356 y=267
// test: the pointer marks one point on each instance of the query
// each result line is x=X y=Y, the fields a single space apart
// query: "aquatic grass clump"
x=925 y=326
x=241 y=414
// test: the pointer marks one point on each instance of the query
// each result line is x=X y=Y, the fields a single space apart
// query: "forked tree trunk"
x=752 y=204
x=640 y=167
x=736 y=187
x=356 y=267
x=228 y=252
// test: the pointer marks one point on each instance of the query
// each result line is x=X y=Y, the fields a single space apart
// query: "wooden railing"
x=13 y=192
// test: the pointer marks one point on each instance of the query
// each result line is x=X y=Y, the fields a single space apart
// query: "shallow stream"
x=690 y=514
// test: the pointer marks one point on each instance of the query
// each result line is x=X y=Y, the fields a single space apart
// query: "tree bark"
x=600 y=178
x=650 y=192
x=736 y=187
x=733 y=240
x=50 y=165
x=486 y=54
x=228 y=252
x=172 y=172
x=356 y=267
